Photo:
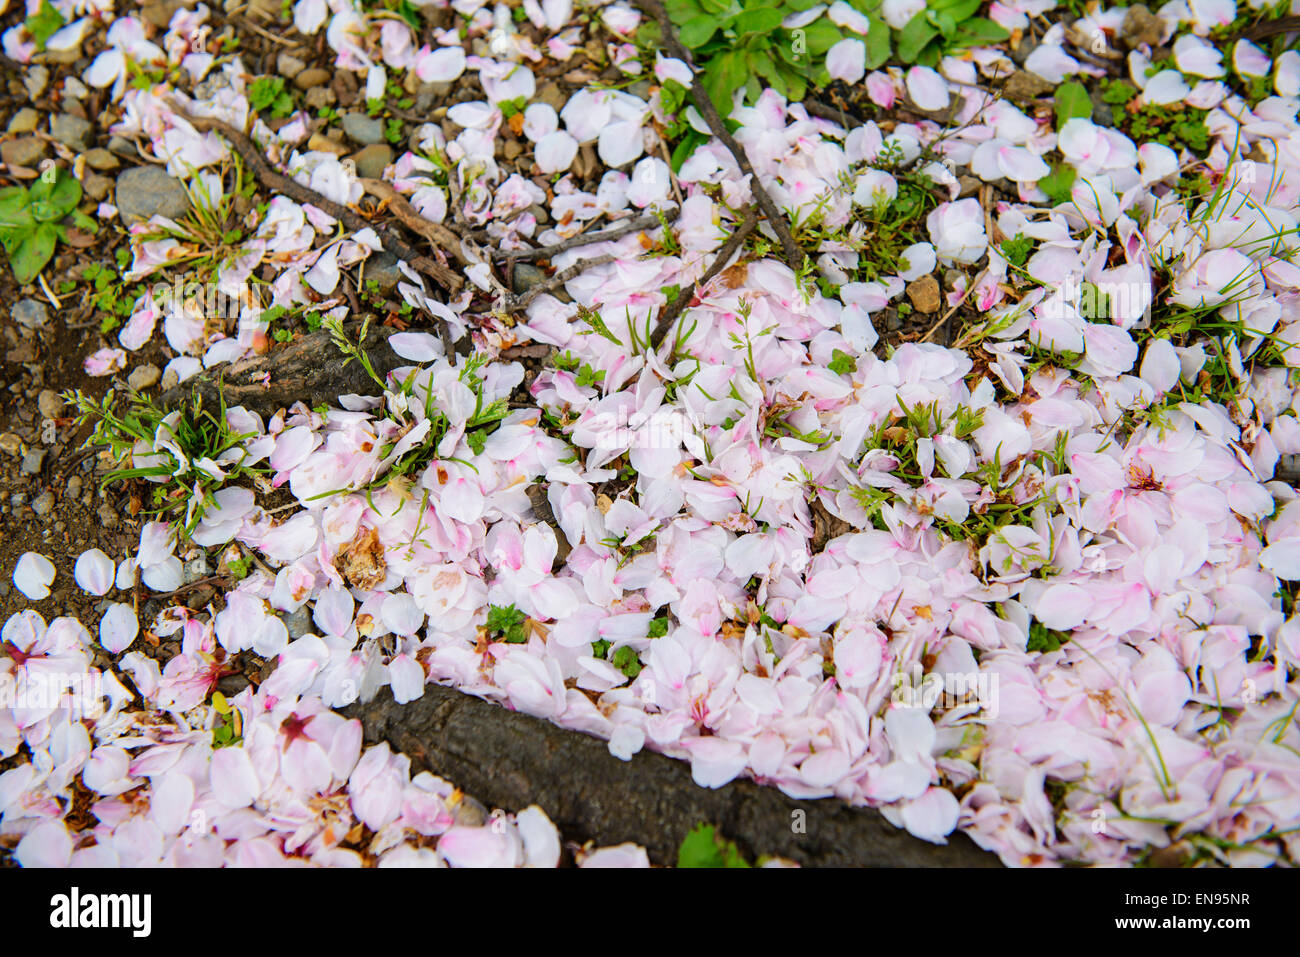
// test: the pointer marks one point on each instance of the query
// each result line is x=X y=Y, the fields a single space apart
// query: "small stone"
x=297 y=623
x=144 y=191
x=171 y=378
x=72 y=131
x=74 y=89
x=1140 y=27
x=160 y=13
x=540 y=214
x=36 y=79
x=968 y=186
x=10 y=443
x=289 y=66
x=527 y=277
x=372 y=160
x=33 y=461
x=31 y=313
x=381 y=268
x=513 y=148
x=322 y=143
x=95 y=186
x=107 y=516
x=27 y=151
x=121 y=146
x=196 y=569
x=1024 y=86
x=142 y=377
x=101 y=159
x=74 y=486
x=320 y=97
x=43 y=504
x=924 y=294
x=551 y=94
x=24 y=121
x=363 y=129
x=311 y=77
x=50 y=404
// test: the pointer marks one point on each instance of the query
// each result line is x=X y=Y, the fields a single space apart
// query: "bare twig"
x=678 y=305
x=515 y=303
x=794 y=256
x=822 y=111
x=586 y=239
x=275 y=180
x=442 y=236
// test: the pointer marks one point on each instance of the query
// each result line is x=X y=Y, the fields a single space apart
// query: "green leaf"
x=1057 y=183
x=54 y=200
x=842 y=363
x=821 y=35
x=1071 y=101
x=762 y=20
x=914 y=36
x=878 y=43
x=704 y=847
x=44 y=23
x=978 y=32
x=697 y=31
x=33 y=252
x=726 y=73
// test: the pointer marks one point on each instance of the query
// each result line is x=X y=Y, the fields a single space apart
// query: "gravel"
x=72 y=131
x=31 y=313
x=145 y=191
x=142 y=377
x=362 y=128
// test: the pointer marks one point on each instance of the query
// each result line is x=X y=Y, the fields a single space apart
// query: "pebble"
x=74 y=486
x=526 y=277
x=142 y=377
x=101 y=159
x=171 y=378
x=96 y=186
x=107 y=516
x=924 y=294
x=50 y=404
x=74 y=89
x=24 y=121
x=322 y=143
x=10 y=443
x=31 y=313
x=1141 y=26
x=382 y=268
x=297 y=623
x=144 y=191
x=362 y=128
x=43 y=504
x=36 y=79
x=311 y=77
x=197 y=568
x=319 y=97
x=121 y=146
x=72 y=131
x=372 y=159
x=289 y=66
x=33 y=461
x=27 y=151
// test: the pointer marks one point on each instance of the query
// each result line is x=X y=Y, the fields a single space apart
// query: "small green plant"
x=229 y=728
x=32 y=221
x=1044 y=639
x=1017 y=249
x=1072 y=101
x=268 y=93
x=704 y=846
x=188 y=454
x=44 y=23
x=1174 y=125
x=842 y=363
x=508 y=622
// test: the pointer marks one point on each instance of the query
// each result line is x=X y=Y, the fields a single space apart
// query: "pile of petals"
x=1058 y=617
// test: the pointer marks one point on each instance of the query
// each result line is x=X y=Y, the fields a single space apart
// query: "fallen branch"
x=675 y=308
x=822 y=111
x=310 y=369
x=278 y=182
x=515 y=303
x=511 y=760
x=794 y=255
x=586 y=239
x=438 y=234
